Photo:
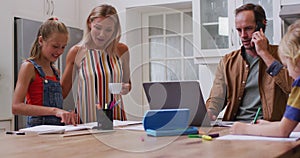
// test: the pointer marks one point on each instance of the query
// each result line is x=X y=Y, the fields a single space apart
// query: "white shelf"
x=210 y=23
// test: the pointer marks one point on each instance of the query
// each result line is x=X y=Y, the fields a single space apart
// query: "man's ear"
x=265 y=22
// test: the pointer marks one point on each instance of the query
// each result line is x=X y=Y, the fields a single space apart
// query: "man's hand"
x=211 y=115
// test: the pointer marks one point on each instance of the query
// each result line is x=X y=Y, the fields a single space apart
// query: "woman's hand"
x=126 y=87
x=211 y=115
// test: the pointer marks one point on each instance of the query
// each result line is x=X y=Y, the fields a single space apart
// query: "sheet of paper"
x=118 y=123
x=293 y=137
x=78 y=127
x=221 y=123
x=86 y=132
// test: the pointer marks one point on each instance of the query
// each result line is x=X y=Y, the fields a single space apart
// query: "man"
x=252 y=76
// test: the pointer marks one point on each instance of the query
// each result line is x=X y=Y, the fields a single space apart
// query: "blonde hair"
x=106 y=11
x=290 y=44
x=49 y=27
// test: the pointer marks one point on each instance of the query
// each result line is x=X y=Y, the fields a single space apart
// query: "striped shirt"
x=292 y=111
x=97 y=70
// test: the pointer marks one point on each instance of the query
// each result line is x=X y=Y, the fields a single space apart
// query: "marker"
x=16 y=133
x=214 y=135
x=116 y=103
x=9 y=132
x=205 y=137
x=256 y=115
x=111 y=104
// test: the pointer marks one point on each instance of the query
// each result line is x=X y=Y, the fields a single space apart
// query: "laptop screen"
x=178 y=95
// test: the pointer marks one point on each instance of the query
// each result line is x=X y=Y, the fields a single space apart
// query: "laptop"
x=178 y=95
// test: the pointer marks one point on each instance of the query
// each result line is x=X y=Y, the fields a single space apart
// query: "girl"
x=289 y=50
x=38 y=79
x=98 y=60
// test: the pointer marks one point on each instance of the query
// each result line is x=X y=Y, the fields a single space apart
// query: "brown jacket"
x=229 y=85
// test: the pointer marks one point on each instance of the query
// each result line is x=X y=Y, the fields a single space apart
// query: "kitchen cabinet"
x=66 y=10
x=289 y=2
x=31 y=9
x=6 y=59
x=217 y=32
x=5 y=125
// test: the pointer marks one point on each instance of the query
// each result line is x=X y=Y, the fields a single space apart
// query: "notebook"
x=178 y=95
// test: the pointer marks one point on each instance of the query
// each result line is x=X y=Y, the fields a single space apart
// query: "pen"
x=205 y=137
x=16 y=133
x=256 y=115
x=116 y=103
x=111 y=104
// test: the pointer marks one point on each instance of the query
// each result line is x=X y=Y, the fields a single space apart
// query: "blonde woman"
x=98 y=60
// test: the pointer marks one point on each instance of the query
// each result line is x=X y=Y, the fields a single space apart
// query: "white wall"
x=6 y=59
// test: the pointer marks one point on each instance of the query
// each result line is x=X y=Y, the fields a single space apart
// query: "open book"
x=53 y=129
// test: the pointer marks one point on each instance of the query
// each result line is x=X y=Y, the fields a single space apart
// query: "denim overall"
x=52 y=97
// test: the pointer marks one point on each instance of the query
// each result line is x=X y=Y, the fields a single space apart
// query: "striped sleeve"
x=292 y=111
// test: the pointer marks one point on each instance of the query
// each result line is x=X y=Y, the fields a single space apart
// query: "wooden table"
x=124 y=143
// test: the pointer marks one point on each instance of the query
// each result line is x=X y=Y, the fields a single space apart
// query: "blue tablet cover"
x=168 y=122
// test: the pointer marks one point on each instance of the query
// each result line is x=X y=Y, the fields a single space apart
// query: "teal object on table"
x=168 y=122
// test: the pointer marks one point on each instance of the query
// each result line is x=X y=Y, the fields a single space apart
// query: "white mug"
x=115 y=88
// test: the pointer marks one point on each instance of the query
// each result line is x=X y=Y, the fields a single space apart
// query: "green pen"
x=256 y=115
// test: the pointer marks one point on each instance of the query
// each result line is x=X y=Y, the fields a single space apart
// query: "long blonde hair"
x=106 y=11
x=290 y=44
x=50 y=26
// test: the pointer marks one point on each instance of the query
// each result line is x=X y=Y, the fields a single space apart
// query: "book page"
x=52 y=129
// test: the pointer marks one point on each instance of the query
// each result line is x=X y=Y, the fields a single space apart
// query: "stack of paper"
x=44 y=129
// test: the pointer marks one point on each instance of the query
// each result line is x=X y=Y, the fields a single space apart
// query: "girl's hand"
x=67 y=117
x=238 y=128
x=261 y=122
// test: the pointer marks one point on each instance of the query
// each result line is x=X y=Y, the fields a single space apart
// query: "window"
x=169 y=48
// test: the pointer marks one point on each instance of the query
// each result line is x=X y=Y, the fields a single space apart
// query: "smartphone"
x=259 y=25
